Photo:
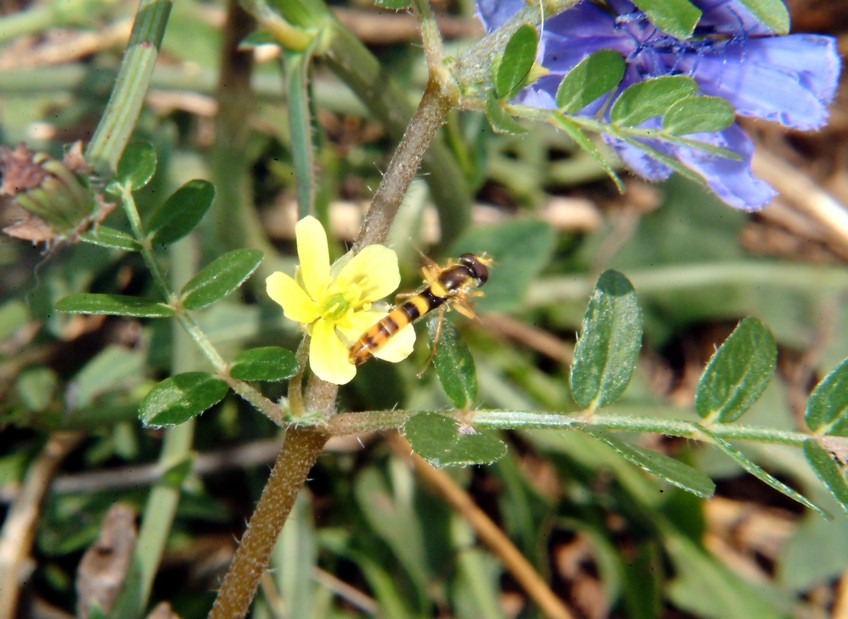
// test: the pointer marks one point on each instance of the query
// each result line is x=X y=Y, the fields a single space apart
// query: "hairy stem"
x=297 y=457
x=430 y=34
x=360 y=70
x=434 y=107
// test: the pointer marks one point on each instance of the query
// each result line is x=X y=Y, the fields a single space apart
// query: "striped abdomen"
x=469 y=272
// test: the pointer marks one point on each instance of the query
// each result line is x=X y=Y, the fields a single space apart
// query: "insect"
x=445 y=288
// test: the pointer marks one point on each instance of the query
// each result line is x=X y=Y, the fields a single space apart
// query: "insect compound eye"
x=481 y=273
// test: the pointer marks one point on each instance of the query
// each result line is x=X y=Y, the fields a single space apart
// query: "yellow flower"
x=333 y=303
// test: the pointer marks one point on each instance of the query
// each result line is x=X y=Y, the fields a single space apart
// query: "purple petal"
x=729 y=17
x=582 y=21
x=731 y=180
x=640 y=162
x=621 y=7
x=561 y=56
x=541 y=94
x=493 y=13
x=790 y=80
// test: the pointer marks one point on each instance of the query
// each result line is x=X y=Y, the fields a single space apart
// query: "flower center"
x=656 y=53
x=335 y=306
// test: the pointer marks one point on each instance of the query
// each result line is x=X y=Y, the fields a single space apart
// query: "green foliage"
x=578 y=491
x=36 y=387
x=394 y=5
x=737 y=373
x=113 y=304
x=827 y=406
x=95 y=612
x=104 y=236
x=676 y=17
x=13 y=316
x=256 y=39
x=816 y=552
x=594 y=76
x=573 y=130
x=294 y=561
x=179 y=398
x=115 y=368
x=760 y=473
x=454 y=364
x=828 y=470
x=609 y=344
x=137 y=165
x=220 y=278
x=391 y=512
x=772 y=13
x=181 y=212
x=499 y=119
x=666 y=468
x=651 y=98
x=708 y=588
x=518 y=58
x=297 y=63
x=698 y=114
x=444 y=442
x=269 y=363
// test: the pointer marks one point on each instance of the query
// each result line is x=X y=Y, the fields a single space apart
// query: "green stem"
x=296 y=405
x=296 y=78
x=431 y=37
x=16 y=82
x=118 y=120
x=288 y=35
x=187 y=321
x=164 y=497
x=134 y=219
x=245 y=390
x=371 y=421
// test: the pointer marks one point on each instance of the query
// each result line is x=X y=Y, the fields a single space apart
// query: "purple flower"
x=787 y=79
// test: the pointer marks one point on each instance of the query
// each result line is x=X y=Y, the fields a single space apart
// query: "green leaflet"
x=609 y=343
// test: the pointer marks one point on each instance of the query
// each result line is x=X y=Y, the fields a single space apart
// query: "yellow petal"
x=328 y=356
x=357 y=323
x=399 y=346
x=314 y=255
x=296 y=304
x=371 y=274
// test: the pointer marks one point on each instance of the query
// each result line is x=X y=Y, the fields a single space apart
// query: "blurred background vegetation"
x=369 y=536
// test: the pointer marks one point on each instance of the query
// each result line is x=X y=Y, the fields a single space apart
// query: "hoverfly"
x=445 y=288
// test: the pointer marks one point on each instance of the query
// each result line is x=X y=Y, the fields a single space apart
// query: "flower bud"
x=56 y=198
